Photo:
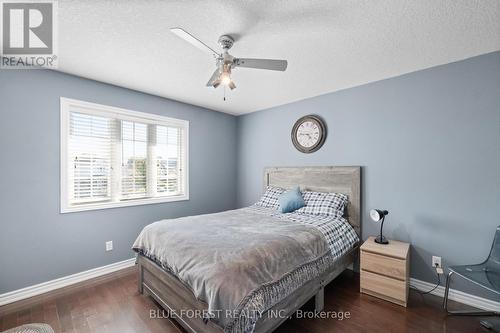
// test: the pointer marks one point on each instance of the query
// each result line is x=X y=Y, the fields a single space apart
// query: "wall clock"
x=309 y=134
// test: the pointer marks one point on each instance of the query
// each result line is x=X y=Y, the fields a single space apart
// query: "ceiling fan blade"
x=194 y=41
x=213 y=78
x=231 y=85
x=272 y=64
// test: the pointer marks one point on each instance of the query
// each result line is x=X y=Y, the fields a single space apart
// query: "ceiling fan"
x=225 y=62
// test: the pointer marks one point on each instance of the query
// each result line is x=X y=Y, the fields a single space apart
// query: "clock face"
x=308 y=134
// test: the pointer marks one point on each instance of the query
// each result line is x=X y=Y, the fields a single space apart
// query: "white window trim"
x=67 y=105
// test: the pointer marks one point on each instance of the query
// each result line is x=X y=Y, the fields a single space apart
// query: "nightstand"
x=385 y=270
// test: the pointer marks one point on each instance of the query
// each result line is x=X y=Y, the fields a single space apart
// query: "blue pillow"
x=291 y=200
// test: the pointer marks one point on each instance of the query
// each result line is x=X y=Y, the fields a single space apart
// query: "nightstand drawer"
x=388 y=266
x=384 y=287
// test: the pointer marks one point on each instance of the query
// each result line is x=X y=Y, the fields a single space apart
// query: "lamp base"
x=381 y=240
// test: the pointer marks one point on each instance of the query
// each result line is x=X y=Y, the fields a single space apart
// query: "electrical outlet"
x=109 y=245
x=436 y=261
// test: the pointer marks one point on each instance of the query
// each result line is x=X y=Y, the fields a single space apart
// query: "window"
x=113 y=157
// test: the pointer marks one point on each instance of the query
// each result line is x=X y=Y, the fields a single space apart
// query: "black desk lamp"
x=377 y=215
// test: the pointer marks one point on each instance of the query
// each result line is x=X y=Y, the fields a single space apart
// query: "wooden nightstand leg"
x=319 y=300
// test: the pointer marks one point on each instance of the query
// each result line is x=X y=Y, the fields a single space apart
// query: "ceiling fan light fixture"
x=225 y=79
x=225 y=75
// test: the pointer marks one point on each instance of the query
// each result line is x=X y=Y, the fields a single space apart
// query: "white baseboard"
x=457 y=295
x=38 y=289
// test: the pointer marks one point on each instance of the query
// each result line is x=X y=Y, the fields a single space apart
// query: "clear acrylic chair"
x=486 y=275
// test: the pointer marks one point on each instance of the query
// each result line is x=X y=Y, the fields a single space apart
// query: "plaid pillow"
x=320 y=203
x=270 y=198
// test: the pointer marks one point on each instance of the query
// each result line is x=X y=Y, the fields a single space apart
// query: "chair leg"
x=462 y=312
x=446 y=291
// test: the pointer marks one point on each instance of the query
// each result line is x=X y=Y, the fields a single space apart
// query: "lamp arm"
x=381 y=226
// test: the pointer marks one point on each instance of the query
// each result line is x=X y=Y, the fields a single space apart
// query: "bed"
x=262 y=310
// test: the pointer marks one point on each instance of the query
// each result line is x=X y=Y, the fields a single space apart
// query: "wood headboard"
x=340 y=179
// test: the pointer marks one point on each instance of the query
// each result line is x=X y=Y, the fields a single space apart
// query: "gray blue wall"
x=37 y=243
x=429 y=145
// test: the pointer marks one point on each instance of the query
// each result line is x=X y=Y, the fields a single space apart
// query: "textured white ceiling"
x=330 y=45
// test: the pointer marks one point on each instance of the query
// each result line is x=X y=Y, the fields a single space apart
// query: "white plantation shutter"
x=113 y=157
x=169 y=159
x=89 y=158
x=134 y=159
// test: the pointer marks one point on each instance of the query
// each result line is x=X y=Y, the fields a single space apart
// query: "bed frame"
x=176 y=298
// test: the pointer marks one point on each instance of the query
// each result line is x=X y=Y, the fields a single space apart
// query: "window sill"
x=125 y=203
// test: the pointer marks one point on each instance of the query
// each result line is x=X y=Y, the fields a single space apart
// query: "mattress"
x=243 y=262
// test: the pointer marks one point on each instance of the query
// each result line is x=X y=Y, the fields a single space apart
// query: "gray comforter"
x=239 y=262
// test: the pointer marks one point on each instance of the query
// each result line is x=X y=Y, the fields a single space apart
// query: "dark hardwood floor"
x=116 y=306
